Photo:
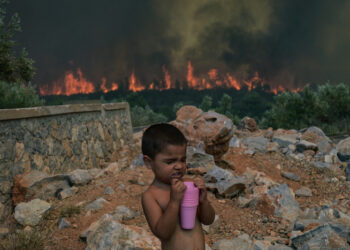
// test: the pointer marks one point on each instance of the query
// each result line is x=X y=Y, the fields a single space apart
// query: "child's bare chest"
x=163 y=199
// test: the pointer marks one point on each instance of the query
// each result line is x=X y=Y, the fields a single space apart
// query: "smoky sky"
x=287 y=42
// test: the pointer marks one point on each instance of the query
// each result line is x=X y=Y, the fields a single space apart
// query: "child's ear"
x=148 y=161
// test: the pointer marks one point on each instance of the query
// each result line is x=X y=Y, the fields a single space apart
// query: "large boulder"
x=318 y=137
x=258 y=143
x=31 y=213
x=242 y=242
x=343 y=148
x=211 y=130
x=36 y=184
x=249 y=124
x=224 y=182
x=197 y=161
x=282 y=198
x=322 y=237
x=109 y=233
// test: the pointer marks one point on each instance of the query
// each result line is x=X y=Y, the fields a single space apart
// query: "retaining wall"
x=58 y=139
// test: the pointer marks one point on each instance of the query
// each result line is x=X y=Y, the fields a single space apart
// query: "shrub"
x=145 y=116
x=327 y=107
x=23 y=241
x=17 y=95
x=69 y=211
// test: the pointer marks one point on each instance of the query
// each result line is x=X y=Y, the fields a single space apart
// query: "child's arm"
x=163 y=224
x=206 y=212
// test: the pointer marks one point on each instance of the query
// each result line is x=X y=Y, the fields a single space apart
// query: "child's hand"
x=177 y=190
x=200 y=184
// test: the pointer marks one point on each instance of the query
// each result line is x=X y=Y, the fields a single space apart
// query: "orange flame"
x=167 y=78
x=105 y=89
x=134 y=85
x=72 y=85
x=77 y=84
x=233 y=82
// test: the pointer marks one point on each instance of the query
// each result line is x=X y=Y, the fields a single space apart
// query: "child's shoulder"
x=151 y=191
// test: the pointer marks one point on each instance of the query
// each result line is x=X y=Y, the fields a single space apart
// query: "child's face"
x=169 y=164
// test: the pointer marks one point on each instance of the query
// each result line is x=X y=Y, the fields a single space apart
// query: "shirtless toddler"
x=164 y=151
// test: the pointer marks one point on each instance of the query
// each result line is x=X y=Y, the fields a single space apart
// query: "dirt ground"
x=257 y=222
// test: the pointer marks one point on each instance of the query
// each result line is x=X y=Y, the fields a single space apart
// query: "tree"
x=225 y=106
x=207 y=101
x=18 y=96
x=328 y=107
x=13 y=68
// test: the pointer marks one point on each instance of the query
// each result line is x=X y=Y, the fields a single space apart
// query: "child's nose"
x=180 y=165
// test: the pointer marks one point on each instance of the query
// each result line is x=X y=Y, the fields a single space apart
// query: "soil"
x=257 y=222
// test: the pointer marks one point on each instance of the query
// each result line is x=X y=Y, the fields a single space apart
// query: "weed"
x=23 y=241
x=70 y=210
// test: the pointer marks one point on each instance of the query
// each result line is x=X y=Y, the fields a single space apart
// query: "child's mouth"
x=176 y=175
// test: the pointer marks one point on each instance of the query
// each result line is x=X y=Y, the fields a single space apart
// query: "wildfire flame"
x=77 y=84
x=105 y=89
x=72 y=85
x=134 y=85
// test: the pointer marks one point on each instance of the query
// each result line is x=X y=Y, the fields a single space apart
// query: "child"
x=164 y=151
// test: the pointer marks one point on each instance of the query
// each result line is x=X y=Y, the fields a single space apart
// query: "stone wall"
x=58 y=139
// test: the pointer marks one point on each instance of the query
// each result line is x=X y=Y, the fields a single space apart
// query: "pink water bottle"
x=189 y=205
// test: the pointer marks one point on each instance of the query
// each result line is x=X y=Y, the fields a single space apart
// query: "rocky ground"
x=271 y=190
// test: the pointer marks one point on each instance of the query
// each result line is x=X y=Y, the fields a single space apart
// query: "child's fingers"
x=174 y=181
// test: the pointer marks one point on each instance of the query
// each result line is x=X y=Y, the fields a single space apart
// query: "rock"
x=210 y=129
x=321 y=166
x=198 y=159
x=108 y=233
x=95 y=172
x=214 y=227
x=207 y=247
x=249 y=152
x=272 y=147
x=303 y=192
x=96 y=205
x=121 y=186
x=137 y=162
x=248 y=124
x=322 y=237
x=47 y=187
x=257 y=143
x=242 y=242
x=123 y=213
x=109 y=190
x=112 y=169
x=80 y=177
x=343 y=148
x=63 y=223
x=4 y=232
x=285 y=140
x=21 y=184
x=67 y=192
x=347 y=172
x=261 y=245
x=224 y=182
x=31 y=213
x=234 y=142
x=318 y=137
x=246 y=202
x=2 y=210
x=279 y=247
x=303 y=145
x=290 y=176
x=282 y=198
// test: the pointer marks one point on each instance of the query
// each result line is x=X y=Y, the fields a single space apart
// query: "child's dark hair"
x=158 y=136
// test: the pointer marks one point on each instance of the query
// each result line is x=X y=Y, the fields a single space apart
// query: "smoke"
x=290 y=43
